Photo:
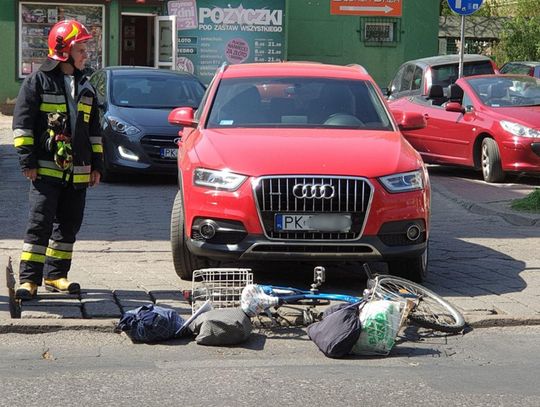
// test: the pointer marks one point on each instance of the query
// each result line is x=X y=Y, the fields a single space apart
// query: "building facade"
x=198 y=35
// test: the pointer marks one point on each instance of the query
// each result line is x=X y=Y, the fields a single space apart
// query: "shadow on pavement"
x=139 y=210
x=466 y=173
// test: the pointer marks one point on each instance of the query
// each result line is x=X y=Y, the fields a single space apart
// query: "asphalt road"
x=485 y=367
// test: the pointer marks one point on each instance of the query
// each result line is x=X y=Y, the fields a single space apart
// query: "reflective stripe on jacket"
x=44 y=92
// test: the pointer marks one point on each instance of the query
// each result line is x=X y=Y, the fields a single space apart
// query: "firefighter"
x=56 y=134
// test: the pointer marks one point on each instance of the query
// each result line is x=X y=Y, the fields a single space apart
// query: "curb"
x=514 y=218
x=490 y=321
x=39 y=326
x=45 y=325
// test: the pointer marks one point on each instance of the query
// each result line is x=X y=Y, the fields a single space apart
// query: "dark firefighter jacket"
x=44 y=92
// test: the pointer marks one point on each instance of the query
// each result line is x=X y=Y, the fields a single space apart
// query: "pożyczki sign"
x=211 y=32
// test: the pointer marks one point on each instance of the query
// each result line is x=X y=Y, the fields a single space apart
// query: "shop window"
x=37 y=19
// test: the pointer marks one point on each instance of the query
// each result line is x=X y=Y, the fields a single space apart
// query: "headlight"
x=519 y=130
x=223 y=179
x=404 y=182
x=122 y=127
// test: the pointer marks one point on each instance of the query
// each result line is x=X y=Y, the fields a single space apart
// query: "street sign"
x=465 y=7
x=388 y=8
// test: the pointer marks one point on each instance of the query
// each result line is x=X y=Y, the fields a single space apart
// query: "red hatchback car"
x=487 y=122
x=298 y=162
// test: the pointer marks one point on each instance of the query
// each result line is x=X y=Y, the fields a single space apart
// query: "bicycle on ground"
x=233 y=287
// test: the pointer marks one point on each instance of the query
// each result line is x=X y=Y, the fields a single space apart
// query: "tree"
x=519 y=40
x=519 y=37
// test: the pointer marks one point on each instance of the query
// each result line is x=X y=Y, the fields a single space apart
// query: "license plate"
x=313 y=222
x=169 y=153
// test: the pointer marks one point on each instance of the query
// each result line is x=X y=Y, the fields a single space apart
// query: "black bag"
x=338 y=331
x=151 y=323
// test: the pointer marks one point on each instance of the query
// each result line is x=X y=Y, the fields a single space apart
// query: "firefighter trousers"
x=56 y=214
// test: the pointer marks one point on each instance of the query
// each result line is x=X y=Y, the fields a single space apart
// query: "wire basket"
x=222 y=286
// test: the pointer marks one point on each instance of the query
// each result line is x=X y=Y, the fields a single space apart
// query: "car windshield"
x=298 y=102
x=445 y=75
x=504 y=91
x=155 y=91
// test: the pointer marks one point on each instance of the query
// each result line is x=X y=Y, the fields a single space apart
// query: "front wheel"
x=491 y=161
x=107 y=175
x=431 y=311
x=414 y=268
x=184 y=261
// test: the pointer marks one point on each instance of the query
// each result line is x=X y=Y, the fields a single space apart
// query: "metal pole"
x=461 y=46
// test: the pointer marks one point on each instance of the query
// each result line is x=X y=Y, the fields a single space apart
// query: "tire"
x=414 y=268
x=491 y=161
x=184 y=261
x=107 y=175
x=432 y=311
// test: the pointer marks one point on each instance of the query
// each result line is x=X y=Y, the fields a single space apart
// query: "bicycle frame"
x=291 y=295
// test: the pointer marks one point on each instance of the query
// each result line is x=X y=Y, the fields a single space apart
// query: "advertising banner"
x=211 y=32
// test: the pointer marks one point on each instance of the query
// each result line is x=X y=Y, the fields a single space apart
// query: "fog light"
x=413 y=232
x=127 y=154
x=207 y=229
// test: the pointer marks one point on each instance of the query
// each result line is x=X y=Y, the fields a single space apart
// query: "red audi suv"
x=298 y=162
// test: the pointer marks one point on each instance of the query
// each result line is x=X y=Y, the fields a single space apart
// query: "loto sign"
x=388 y=8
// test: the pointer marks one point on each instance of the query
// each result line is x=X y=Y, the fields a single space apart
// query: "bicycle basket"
x=222 y=286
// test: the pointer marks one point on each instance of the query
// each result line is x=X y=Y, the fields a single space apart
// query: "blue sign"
x=465 y=7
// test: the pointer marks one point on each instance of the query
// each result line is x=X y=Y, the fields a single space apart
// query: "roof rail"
x=359 y=67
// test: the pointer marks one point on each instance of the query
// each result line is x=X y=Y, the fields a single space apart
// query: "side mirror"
x=454 y=107
x=410 y=120
x=182 y=116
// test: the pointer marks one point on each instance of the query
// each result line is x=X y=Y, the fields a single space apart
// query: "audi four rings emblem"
x=314 y=191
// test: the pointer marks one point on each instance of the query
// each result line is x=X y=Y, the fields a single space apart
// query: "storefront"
x=192 y=35
x=199 y=35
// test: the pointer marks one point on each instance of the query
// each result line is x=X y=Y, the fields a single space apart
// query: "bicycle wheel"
x=432 y=311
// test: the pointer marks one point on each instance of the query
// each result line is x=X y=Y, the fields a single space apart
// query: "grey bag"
x=223 y=326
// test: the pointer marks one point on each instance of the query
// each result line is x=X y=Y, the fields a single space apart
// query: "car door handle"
x=426 y=115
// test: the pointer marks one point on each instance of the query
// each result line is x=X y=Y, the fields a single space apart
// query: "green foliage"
x=527 y=8
x=531 y=203
x=519 y=40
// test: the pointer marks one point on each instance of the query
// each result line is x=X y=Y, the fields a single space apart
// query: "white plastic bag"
x=381 y=321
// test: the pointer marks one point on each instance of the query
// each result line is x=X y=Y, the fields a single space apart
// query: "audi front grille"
x=313 y=195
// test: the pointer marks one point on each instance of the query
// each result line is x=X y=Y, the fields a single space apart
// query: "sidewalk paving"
x=142 y=270
x=482 y=198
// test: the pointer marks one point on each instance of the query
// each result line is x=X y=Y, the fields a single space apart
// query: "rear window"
x=298 y=102
x=445 y=75
x=518 y=69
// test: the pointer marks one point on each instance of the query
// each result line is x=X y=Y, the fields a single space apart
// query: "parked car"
x=134 y=104
x=522 y=68
x=489 y=122
x=416 y=77
x=298 y=161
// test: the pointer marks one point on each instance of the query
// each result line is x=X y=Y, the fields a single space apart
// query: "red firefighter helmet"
x=62 y=37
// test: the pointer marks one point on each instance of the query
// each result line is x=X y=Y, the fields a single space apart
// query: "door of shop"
x=137 y=44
